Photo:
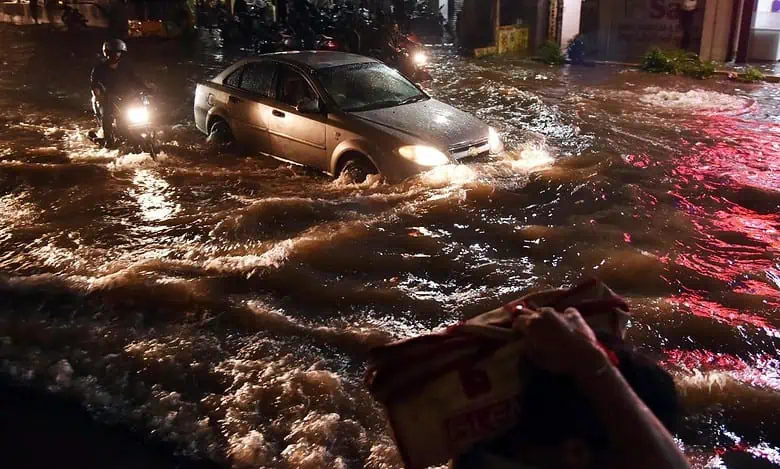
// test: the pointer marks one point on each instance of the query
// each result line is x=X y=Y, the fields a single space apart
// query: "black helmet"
x=114 y=46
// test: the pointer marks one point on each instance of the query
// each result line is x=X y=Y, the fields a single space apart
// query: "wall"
x=766 y=18
x=765 y=33
x=627 y=28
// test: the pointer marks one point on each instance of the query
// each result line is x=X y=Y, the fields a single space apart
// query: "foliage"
x=576 y=50
x=656 y=61
x=753 y=74
x=698 y=68
x=550 y=53
x=677 y=62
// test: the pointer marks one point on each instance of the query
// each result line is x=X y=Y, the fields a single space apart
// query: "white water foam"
x=532 y=158
x=136 y=160
x=453 y=174
x=697 y=100
x=249 y=264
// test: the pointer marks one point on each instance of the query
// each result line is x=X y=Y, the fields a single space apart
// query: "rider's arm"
x=94 y=82
x=638 y=438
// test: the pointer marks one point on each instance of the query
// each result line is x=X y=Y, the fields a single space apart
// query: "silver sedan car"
x=339 y=113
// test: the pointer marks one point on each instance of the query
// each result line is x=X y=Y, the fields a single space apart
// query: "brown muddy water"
x=225 y=303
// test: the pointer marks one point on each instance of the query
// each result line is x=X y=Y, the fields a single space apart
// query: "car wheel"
x=220 y=134
x=357 y=170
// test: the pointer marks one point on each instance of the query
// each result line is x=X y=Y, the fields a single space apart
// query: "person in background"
x=34 y=10
x=687 y=13
x=394 y=41
x=118 y=20
x=592 y=403
x=458 y=29
x=51 y=7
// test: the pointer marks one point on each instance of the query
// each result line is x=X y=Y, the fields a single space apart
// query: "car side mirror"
x=310 y=106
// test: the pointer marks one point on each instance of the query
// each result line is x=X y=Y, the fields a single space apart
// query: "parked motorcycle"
x=324 y=42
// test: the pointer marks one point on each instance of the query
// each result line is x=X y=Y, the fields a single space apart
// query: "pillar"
x=716 y=30
x=746 y=25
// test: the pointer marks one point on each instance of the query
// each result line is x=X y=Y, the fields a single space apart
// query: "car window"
x=259 y=78
x=293 y=87
x=234 y=79
x=366 y=86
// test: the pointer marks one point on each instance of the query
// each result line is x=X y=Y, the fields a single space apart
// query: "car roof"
x=315 y=59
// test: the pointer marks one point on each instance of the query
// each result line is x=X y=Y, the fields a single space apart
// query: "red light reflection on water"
x=744 y=151
x=712 y=310
x=719 y=184
x=734 y=244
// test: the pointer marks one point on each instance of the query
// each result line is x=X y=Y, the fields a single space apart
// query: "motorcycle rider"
x=112 y=79
x=395 y=40
x=399 y=50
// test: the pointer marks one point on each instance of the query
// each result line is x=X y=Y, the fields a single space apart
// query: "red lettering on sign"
x=480 y=423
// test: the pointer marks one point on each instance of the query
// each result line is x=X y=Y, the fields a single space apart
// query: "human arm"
x=637 y=438
x=95 y=83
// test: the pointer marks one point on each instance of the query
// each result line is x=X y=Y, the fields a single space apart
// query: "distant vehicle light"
x=420 y=58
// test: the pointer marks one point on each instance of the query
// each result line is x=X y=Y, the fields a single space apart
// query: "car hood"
x=432 y=121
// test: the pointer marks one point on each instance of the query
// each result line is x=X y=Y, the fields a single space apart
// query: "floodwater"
x=226 y=303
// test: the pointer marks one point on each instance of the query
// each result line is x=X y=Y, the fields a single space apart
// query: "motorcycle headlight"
x=424 y=155
x=138 y=115
x=420 y=58
x=496 y=145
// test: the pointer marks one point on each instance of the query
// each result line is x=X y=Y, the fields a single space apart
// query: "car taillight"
x=332 y=45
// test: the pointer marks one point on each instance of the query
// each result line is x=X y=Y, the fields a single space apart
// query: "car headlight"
x=138 y=115
x=420 y=58
x=494 y=140
x=424 y=155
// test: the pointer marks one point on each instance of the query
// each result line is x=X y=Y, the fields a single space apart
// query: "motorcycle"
x=132 y=126
x=410 y=58
x=323 y=42
x=411 y=63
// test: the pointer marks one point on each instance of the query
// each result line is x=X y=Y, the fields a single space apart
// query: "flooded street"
x=226 y=303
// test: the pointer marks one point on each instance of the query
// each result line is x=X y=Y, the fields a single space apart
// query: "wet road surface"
x=225 y=303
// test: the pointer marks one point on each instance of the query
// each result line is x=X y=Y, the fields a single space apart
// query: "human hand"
x=561 y=343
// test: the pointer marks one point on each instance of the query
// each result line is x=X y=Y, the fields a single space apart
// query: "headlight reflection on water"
x=455 y=174
x=494 y=140
x=531 y=159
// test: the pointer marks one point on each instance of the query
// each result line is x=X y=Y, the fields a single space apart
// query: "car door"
x=295 y=135
x=248 y=105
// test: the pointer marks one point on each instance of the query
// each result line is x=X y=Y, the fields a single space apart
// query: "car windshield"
x=366 y=86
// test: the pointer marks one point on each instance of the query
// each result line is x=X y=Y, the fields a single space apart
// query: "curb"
x=769 y=78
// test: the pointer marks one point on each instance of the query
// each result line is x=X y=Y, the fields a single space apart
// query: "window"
x=234 y=79
x=258 y=78
x=362 y=87
x=293 y=88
